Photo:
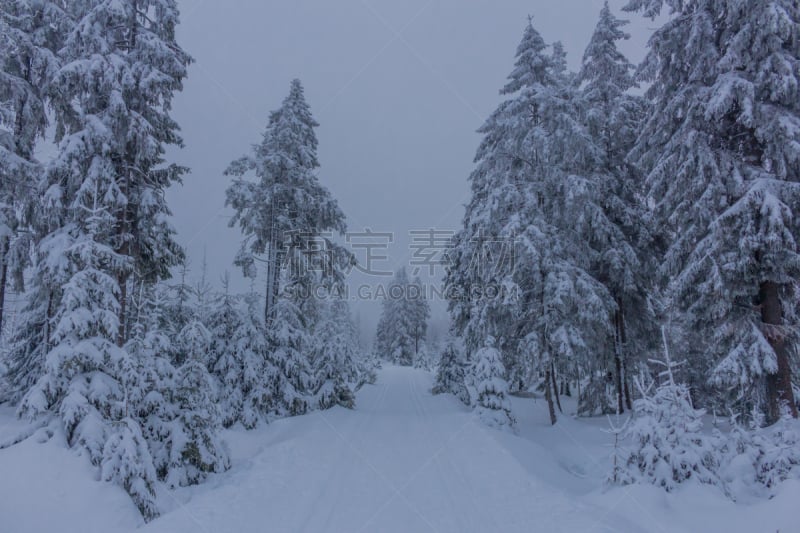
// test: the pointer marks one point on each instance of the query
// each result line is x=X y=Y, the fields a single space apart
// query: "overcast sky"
x=398 y=87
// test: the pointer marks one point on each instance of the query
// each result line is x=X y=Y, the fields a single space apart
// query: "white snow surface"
x=402 y=461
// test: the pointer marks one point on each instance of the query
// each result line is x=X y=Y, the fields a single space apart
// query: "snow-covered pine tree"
x=193 y=342
x=86 y=373
x=286 y=207
x=112 y=100
x=30 y=35
x=612 y=211
x=480 y=249
x=290 y=342
x=223 y=319
x=450 y=374
x=401 y=319
x=179 y=310
x=380 y=348
x=136 y=56
x=177 y=407
x=32 y=338
x=127 y=463
x=246 y=371
x=425 y=358
x=420 y=312
x=668 y=446
x=780 y=457
x=104 y=223
x=546 y=309
x=721 y=153
x=192 y=445
x=491 y=388
x=335 y=357
x=758 y=460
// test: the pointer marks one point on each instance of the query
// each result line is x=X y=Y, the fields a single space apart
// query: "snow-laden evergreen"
x=403 y=322
x=611 y=214
x=286 y=209
x=86 y=373
x=668 y=446
x=536 y=293
x=491 y=389
x=754 y=462
x=102 y=229
x=420 y=313
x=335 y=357
x=720 y=150
x=242 y=366
x=127 y=462
x=451 y=374
x=31 y=33
x=290 y=339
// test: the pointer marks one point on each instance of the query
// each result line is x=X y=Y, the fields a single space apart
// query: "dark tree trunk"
x=555 y=386
x=628 y=399
x=4 y=244
x=549 y=395
x=124 y=249
x=779 y=384
x=47 y=333
x=273 y=279
x=619 y=378
x=618 y=383
x=123 y=309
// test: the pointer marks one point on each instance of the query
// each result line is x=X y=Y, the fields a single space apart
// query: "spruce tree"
x=546 y=310
x=335 y=358
x=420 y=313
x=491 y=388
x=668 y=446
x=613 y=216
x=290 y=341
x=450 y=374
x=721 y=156
x=286 y=207
x=30 y=36
x=402 y=320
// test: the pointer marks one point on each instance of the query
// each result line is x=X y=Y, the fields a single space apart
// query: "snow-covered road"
x=404 y=460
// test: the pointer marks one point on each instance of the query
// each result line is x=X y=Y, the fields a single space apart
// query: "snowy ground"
x=402 y=461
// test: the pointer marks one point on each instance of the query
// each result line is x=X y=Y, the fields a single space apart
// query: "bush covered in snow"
x=491 y=389
x=667 y=446
x=451 y=374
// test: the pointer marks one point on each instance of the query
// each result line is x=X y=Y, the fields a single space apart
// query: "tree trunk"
x=626 y=385
x=555 y=386
x=618 y=384
x=619 y=332
x=779 y=384
x=123 y=309
x=549 y=395
x=4 y=244
x=273 y=279
x=47 y=333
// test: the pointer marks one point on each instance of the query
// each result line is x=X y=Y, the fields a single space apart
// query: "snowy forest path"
x=403 y=460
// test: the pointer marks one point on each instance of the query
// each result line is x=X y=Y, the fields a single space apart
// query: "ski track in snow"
x=402 y=461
